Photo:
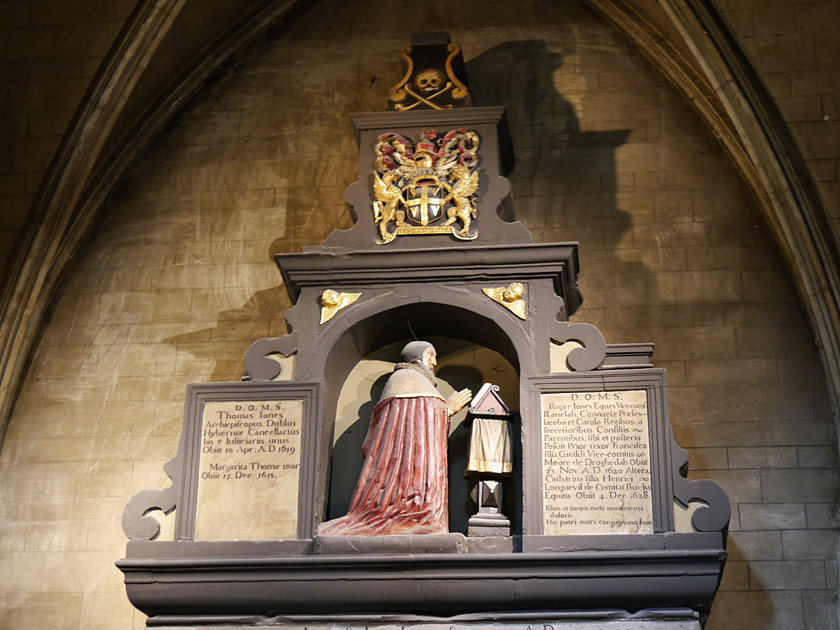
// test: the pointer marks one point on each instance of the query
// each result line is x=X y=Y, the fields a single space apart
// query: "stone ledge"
x=185 y=584
x=379 y=545
x=667 y=619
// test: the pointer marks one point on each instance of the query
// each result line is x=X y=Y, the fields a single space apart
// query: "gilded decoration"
x=416 y=186
x=430 y=80
x=511 y=297
x=333 y=301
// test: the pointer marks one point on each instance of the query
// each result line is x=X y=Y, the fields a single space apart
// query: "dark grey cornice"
x=665 y=571
x=502 y=262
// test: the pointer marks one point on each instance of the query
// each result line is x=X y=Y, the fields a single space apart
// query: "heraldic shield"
x=425 y=203
x=415 y=186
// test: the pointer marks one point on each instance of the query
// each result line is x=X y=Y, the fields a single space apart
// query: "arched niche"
x=356 y=363
x=460 y=364
x=401 y=295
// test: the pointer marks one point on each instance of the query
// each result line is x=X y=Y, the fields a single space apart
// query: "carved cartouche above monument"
x=433 y=75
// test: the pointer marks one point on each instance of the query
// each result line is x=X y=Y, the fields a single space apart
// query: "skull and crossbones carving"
x=429 y=80
x=429 y=84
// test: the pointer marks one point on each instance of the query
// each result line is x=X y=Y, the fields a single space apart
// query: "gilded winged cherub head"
x=330 y=298
x=513 y=292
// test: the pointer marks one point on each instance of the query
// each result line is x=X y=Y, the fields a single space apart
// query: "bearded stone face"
x=429 y=80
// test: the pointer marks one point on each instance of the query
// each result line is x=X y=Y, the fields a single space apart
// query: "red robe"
x=403 y=487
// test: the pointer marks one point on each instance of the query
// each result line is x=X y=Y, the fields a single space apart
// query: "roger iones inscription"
x=596 y=463
x=249 y=470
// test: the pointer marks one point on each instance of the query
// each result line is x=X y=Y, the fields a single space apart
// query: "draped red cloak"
x=403 y=487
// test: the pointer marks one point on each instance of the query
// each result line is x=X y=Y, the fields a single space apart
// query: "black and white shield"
x=424 y=204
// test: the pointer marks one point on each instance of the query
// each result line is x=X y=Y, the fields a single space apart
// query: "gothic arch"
x=696 y=53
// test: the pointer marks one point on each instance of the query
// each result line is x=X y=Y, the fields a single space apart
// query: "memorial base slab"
x=595 y=620
x=203 y=583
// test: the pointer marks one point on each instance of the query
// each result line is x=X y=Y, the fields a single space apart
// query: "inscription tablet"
x=596 y=463
x=249 y=469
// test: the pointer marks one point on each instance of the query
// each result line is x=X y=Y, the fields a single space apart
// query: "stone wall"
x=177 y=280
x=794 y=48
x=49 y=52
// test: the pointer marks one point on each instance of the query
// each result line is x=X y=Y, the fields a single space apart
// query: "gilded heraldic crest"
x=416 y=186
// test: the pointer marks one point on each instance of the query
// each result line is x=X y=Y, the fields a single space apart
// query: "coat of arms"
x=416 y=186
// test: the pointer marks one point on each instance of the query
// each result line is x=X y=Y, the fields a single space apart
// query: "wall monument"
x=583 y=517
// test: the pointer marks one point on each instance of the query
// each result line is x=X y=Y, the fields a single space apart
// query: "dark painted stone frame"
x=199 y=394
x=195 y=583
x=653 y=382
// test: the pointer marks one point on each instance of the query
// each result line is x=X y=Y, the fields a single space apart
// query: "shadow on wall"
x=223 y=346
x=564 y=181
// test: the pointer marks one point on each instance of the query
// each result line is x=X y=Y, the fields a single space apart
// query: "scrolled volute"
x=594 y=349
x=137 y=522
x=712 y=517
x=259 y=366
